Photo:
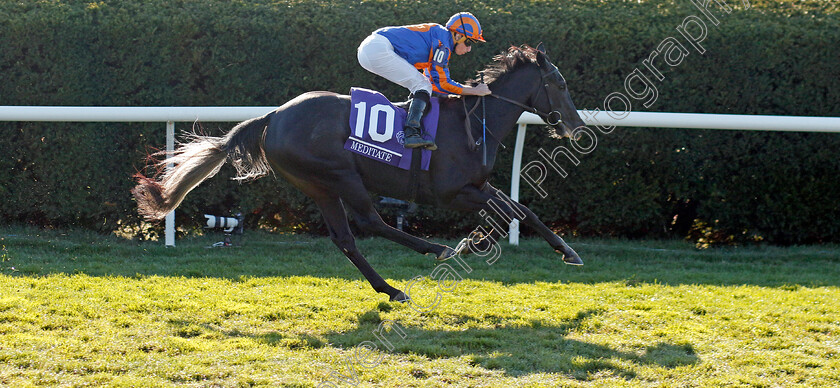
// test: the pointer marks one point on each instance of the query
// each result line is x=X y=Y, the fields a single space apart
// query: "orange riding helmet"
x=466 y=24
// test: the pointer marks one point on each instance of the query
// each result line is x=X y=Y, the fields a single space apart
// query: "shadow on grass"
x=515 y=351
x=522 y=349
x=188 y=329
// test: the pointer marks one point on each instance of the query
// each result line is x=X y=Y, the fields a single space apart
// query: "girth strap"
x=414 y=177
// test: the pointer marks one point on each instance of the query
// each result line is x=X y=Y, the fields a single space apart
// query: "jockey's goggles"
x=466 y=41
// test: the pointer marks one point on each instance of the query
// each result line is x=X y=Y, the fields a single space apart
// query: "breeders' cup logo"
x=401 y=137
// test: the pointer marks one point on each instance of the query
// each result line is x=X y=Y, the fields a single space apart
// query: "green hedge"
x=777 y=57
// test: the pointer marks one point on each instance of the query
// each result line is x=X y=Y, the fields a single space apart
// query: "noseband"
x=547 y=117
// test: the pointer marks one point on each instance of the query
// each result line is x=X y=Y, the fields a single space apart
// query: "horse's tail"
x=201 y=158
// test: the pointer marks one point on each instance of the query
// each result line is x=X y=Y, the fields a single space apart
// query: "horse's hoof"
x=571 y=260
x=463 y=247
x=447 y=254
x=400 y=297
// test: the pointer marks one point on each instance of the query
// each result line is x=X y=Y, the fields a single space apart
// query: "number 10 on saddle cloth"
x=376 y=129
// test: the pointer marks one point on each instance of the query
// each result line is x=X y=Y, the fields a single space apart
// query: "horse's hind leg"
x=367 y=218
x=342 y=237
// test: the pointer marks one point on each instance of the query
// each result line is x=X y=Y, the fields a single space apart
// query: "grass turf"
x=82 y=309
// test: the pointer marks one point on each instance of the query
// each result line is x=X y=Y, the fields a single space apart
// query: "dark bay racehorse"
x=303 y=141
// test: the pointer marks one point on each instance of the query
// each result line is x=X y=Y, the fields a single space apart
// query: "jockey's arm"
x=477 y=90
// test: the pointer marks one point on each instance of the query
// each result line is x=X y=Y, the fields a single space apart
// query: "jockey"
x=398 y=53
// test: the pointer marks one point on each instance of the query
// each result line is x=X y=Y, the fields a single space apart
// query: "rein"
x=473 y=144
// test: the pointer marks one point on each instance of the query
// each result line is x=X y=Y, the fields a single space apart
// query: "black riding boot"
x=413 y=129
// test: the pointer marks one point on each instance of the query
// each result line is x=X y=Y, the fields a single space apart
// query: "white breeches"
x=376 y=55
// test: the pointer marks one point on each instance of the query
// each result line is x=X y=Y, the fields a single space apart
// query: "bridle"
x=547 y=117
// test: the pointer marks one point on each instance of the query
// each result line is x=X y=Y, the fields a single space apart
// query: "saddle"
x=376 y=129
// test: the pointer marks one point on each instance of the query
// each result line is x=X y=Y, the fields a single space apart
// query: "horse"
x=303 y=141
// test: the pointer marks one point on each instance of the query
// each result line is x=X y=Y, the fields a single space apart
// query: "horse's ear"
x=542 y=57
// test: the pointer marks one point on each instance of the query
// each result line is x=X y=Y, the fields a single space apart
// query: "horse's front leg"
x=498 y=209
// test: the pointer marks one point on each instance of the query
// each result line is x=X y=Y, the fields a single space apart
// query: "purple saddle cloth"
x=376 y=129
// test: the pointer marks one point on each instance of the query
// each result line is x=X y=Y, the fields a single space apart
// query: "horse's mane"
x=508 y=61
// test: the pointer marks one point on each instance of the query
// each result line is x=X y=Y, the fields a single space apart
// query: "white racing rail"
x=171 y=115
